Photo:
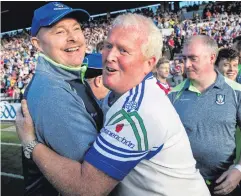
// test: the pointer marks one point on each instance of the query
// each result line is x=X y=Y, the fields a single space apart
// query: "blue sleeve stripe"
x=122 y=151
x=127 y=99
x=113 y=168
x=116 y=156
x=141 y=96
x=119 y=149
x=153 y=152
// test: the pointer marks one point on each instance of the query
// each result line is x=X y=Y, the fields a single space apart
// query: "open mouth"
x=230 y=74
x=110 y=69
x=72 y=49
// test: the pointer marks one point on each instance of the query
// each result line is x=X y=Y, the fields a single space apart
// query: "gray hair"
x=153 y=47
x=206 y=40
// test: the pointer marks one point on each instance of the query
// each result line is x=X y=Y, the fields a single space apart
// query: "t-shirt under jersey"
x=144 y=145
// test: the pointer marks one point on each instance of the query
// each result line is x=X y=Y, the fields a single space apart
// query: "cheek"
x=104 y=56
x=235 y=69
x=224 y=69
x=160 y=72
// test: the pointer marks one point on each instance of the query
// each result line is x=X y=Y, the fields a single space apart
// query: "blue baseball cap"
x=53 y=12
x=94 y=61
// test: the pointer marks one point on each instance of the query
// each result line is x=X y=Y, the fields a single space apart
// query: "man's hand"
x=24 y=124
x=230 y=179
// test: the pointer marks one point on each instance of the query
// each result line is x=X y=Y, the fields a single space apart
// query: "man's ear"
x=150 y=64
x=98 y=81
x=36 y=43
x=213 y=59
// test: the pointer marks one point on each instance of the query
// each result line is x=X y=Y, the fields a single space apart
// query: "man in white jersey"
x=143 y=145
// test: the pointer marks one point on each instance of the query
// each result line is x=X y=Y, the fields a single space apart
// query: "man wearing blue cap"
x=65 y=113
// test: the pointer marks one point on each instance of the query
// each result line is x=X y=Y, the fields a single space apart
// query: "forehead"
x=195 y=48
x=164 y=65
x=65 y=21
x=229 y=61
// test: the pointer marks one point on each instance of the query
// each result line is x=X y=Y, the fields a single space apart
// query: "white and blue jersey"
x=143 y=144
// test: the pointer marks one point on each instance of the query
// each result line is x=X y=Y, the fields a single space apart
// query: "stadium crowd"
x=220 y=20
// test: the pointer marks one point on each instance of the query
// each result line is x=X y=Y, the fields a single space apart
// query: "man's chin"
x=73 y=64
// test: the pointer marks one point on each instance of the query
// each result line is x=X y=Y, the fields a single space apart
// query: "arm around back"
x=62 y=122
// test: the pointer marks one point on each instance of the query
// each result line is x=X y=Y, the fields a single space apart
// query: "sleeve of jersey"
x=118 y=149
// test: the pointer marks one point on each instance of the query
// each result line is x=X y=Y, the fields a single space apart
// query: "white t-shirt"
x=144 y=145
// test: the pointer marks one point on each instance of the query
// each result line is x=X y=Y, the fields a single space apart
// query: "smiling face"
x=64 y=42
x=125 y=66
x=229 y=68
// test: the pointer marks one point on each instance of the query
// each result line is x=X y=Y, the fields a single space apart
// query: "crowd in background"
x=220 y=20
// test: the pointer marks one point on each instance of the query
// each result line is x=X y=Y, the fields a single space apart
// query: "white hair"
x=153 y=47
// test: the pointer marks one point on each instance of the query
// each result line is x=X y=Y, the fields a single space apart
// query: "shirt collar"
x=219 y=83
x=113 y=97
x=67 y=73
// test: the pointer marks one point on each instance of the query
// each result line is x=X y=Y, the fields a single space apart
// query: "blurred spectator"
x=10 y=92
x=237 y=47
x=227 y=63
x=162 y=73
x=171 y=45
x=177 y=71
x=208 y=15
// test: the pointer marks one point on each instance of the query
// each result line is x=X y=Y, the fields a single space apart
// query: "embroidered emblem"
x=58 y=5
x=132 y=105
x=220 y=99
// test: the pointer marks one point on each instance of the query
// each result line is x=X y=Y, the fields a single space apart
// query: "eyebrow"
x=189 y=56
x=106 y=42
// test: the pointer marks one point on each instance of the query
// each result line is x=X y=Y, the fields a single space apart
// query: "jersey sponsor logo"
x=184 y=99
x=123 y=140
x=220 y=99
x=119 y=127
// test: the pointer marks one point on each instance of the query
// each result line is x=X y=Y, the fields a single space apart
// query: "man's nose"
x=111 y=55
x=187 y=63
x=72 y=36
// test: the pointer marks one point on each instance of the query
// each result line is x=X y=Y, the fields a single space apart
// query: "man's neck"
x=162 y=80
x=203 y=83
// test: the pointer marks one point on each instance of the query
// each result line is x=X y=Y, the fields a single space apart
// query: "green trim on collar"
x=79 y=68
x=179 y=87
x=83 y=71
x=194 y=89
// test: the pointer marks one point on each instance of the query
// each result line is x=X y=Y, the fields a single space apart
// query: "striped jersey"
x=144 y=145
